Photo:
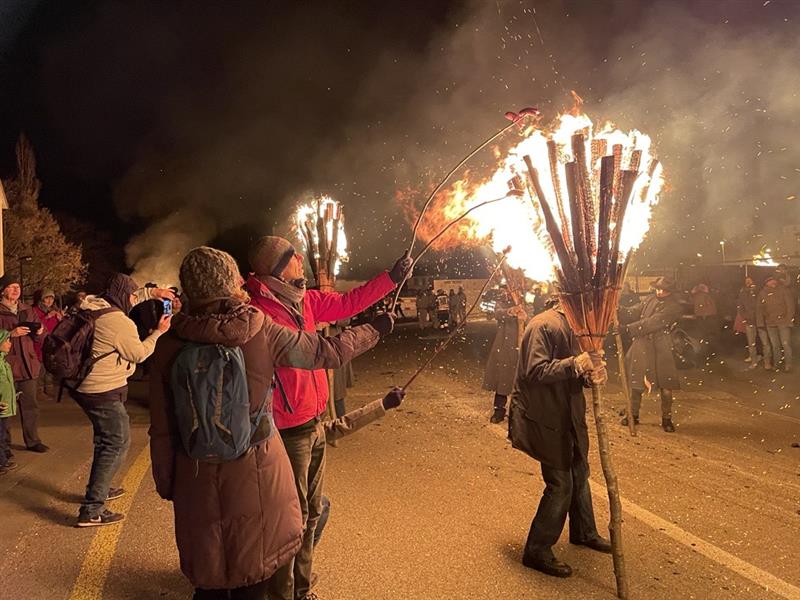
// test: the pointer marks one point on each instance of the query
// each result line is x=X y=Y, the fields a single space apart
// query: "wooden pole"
x=614 y=502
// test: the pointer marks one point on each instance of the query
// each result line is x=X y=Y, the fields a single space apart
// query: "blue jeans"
x=565 y=493
x=112 y=429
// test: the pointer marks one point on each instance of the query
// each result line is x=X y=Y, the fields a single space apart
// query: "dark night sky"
x=187 y=121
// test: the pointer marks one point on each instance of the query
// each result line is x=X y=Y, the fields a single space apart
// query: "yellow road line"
x=92 y=577
x=726 y=559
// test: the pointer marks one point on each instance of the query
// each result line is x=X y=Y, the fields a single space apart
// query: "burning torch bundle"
x=320 y=226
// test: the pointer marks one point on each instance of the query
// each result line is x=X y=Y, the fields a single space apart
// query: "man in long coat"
x=650 y=360
x=501 y=366
x=547 y=421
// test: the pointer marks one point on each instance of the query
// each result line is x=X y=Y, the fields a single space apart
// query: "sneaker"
x=311 y=596
x=748 y=359
x=104 y=518
x=624 y=421
x=40 y=448
x=9 y=466
x=115 y=493
x=666 y=425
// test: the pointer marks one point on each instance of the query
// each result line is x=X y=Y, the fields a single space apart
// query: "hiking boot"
x=666 y=425
x=498 y=416
x=624 y=421
x=9 y=466
x=115 y=493
x=104 y=518
x=40 y=448
x=548 y=566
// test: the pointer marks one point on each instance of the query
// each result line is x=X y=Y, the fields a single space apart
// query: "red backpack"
x=67 y=350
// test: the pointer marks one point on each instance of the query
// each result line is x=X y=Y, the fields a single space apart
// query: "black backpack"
x=67 y=350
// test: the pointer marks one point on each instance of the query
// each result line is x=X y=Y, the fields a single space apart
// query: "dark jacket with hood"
x=547 y=418
x=23 y=359
x=236 y=522
x=650 y=356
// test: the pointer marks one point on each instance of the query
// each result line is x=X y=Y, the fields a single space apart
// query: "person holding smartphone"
x=26 y=329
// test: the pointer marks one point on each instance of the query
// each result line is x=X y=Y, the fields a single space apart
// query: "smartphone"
x=32 y=325
x=167 y=307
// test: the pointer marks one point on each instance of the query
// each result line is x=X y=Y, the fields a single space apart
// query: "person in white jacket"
x=102 y=394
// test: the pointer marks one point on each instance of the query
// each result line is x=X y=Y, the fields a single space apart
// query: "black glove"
x=401 y=268
x=393 y=398
x=384 y=323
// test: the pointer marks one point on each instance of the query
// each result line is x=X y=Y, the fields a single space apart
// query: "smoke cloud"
x=254 y=107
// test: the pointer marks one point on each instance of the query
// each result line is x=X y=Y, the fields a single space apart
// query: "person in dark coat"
x=775 y=308
x=547 y=421
x=501 y=366
x=650 y=360
x=24 y=363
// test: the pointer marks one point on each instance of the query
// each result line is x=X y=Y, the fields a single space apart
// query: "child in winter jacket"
x=8 y=403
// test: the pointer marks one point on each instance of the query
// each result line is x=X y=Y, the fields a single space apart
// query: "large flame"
x=764 y=258
x=519 y=221
x=330 y=212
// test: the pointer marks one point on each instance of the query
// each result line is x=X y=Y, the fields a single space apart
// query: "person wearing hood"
x=238 y=521
x=50 y=316
x=277 y=288
x=651 y=363
x=8 y=403
x=26 y=329
x=116 y=350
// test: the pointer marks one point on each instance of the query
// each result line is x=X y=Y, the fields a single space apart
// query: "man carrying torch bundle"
x=547 y=421
x=277 y=287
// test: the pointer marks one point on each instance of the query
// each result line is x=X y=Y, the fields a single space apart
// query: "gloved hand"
x=384 y=323
x=393 y=398
x=598 y=376
x=583 y=363
x=401 y=268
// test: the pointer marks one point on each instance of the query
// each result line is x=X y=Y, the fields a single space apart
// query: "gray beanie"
x=209 y=273
x=270 y=255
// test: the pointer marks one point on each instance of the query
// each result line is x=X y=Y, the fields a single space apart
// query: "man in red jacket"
x=278 y=288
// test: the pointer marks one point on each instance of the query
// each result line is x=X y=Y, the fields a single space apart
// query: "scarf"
x=289 y=292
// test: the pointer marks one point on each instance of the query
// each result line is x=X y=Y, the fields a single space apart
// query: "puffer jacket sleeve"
x=539 y=366
x=303 y=350
x=354 y=420
x=332 y=306
x=163 y=430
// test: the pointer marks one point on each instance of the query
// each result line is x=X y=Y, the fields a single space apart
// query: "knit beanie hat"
x=270 y=255
x=208 y=273
x=47 y=293
x=7 y=279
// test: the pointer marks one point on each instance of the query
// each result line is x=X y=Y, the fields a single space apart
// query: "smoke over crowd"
x=242 y=110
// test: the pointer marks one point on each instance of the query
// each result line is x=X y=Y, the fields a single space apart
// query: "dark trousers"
x=307 y=454
x=5 y=443
x=666 y=403
x=500 y=401
x=112 y=429
x=257 y=591
x=28 y=410
x=565 y=493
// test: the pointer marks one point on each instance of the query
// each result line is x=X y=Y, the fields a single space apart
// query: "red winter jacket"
x=307 y=391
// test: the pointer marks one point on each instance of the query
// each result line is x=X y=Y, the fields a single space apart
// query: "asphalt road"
x=432 y=502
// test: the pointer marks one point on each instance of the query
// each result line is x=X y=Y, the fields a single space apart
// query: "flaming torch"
x=320 y=227
x=590 y=193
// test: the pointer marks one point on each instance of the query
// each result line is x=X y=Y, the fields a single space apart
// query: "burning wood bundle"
x=320 y=226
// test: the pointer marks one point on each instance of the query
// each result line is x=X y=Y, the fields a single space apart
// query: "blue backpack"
x=212 y=405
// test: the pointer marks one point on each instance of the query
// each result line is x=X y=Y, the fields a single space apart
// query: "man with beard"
x=547 y=421
x=651 y=363
x=278 y=288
